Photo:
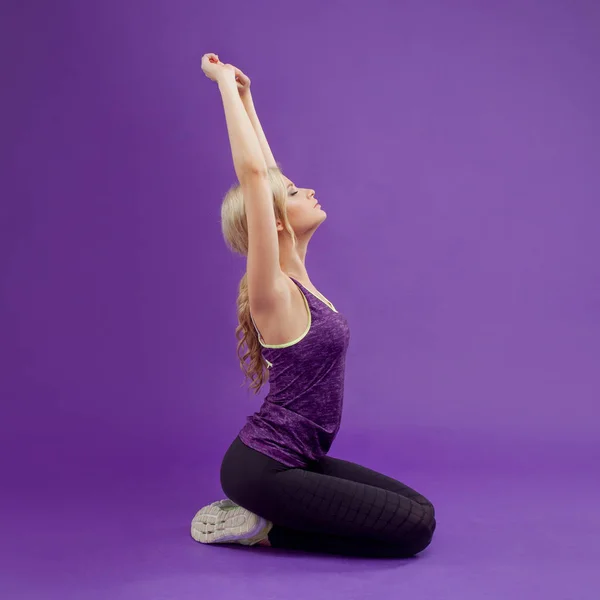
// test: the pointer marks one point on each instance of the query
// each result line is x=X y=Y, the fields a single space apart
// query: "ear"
x=279 y=225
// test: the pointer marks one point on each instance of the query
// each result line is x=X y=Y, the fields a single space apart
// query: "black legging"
x=332 y=506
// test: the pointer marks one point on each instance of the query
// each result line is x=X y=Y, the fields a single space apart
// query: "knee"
x=428 y=521
x=420 y=539
x=423 y=535
x=427 y=507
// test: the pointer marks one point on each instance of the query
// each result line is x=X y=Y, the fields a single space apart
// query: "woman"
x=282 y=488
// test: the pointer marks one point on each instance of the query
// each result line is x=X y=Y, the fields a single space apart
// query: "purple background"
x=455 y=149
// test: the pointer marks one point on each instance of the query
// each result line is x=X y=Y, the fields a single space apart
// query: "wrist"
x=226 y=82
x=246 y=97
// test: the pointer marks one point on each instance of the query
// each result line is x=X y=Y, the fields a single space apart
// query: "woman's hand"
x=243 y=82
x=215 y=70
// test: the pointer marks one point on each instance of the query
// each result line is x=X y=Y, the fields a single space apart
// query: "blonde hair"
x=234 y=226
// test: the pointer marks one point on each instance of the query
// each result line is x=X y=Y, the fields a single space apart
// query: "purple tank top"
x=301 y=414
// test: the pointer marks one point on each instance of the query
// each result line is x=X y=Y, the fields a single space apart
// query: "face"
x=303 y=214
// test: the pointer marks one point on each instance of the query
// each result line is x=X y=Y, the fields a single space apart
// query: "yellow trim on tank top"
x=286 y=345
x=293 y=341
x=321 y=297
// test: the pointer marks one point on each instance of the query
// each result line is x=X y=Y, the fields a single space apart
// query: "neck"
x=292 y=259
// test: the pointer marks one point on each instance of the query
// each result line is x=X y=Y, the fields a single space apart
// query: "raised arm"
x=266 y=286
x=246 y=96
x=245 y=148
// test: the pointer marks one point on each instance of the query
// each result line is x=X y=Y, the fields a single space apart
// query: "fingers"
x=241 y=76
x=211 y=57
x=214 y=58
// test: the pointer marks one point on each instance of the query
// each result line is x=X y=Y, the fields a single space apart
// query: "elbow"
x=253 y=170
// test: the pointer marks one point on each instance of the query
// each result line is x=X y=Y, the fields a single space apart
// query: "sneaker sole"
x=224 y=521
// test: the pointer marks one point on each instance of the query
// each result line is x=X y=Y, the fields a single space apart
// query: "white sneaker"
x=224 y=521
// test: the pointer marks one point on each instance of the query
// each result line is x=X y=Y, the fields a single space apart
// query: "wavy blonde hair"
x=234 y=226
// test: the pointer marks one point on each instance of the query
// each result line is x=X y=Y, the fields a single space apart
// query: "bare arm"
x=260 y=134
x=266 y=284
x=245 y=147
